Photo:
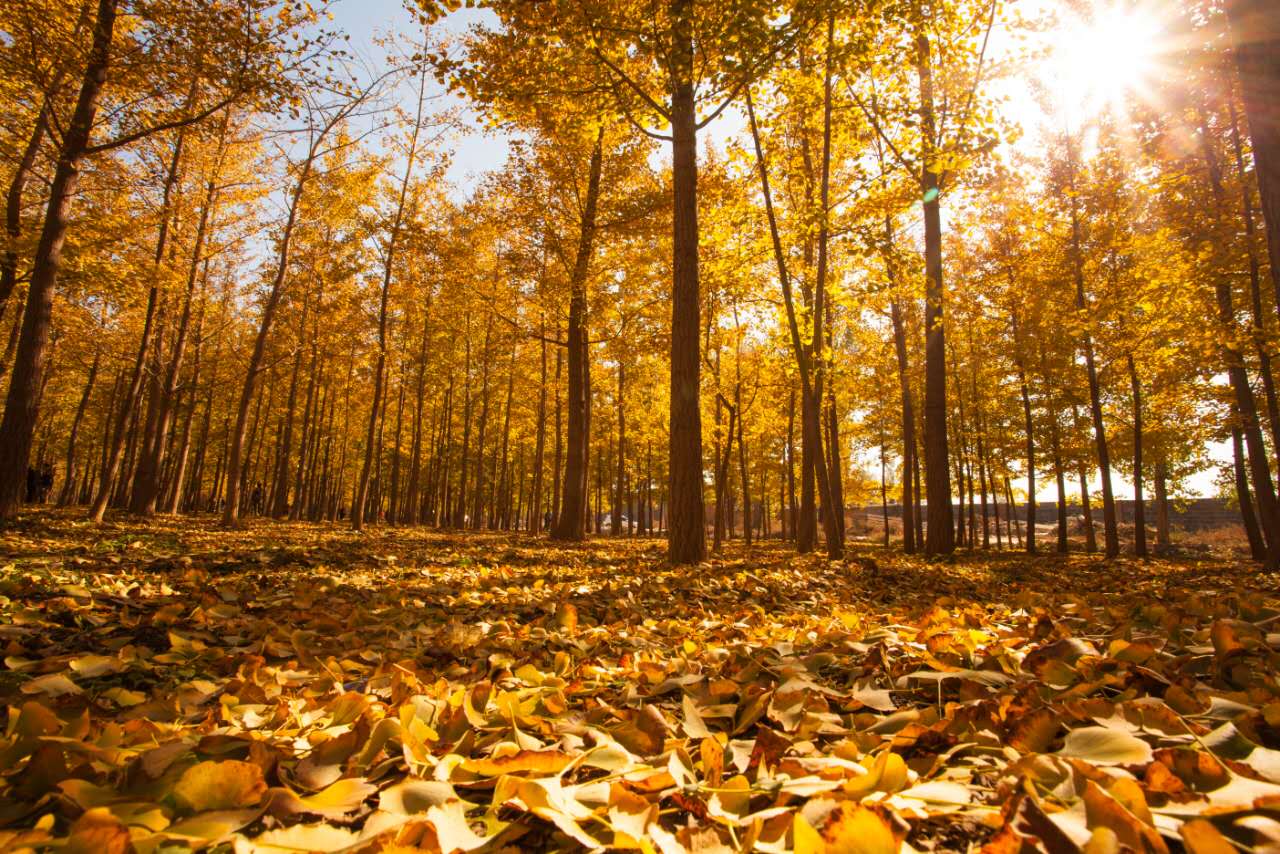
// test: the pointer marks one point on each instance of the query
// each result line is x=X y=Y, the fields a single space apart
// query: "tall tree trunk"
x=1162 y=505
x=388 y=266
x=828 y=475
x=71 y=471
x=308 y=433
x=393 y=504
x=1090 y=536
x=460 y=506
x=235 y=458
x=559 y=451
x=482 y=429
x=742 y=466
x=1139 y=503
x=687 y=538
x=615 y=519
x=908 y=428
x=812 y=458
x=540 y=443
x=1257 y=546
x=572 y=494
x=1111 y=535
x=939 y=536
x=279 y=501
x=788 y=502
x=503 y=487
x=178 y=483
x=23 y=401
x=1028 y=430
x=1059 y=476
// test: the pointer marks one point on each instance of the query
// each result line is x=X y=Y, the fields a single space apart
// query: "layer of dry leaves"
x=301 y=688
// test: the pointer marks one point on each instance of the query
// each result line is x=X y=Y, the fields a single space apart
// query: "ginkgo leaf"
x=97 y=831
x=1106 y=746
x=299 y=837
x=53 y=685
x=332 y=802
x=410 y=797
x=90 y=666
x=540 y=761
x=225 y=785
x=848 y=828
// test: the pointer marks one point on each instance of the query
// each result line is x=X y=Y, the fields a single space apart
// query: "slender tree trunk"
x=620 y=475
x=742 y=466
x=504 y=476
x=908 y=428
x=1060 y=476
x=393 y=505
x=559 y=451
x=1008 y=492
x=1111 y=534
x=1029 y=432
x=308 y=433
x=1257 y=546
x=572 y=493
x=789 y=504
x=178 y=484
x=71 y=470
x=460 y=508
x=540 y=443
x=482 y=429
x=1090 y=537
x=235 y=458
x=1139 y=503
x=1162 y=505
x=388 y=265
x=812 y=458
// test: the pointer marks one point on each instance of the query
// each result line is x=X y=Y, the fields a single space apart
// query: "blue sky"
x=368 y=20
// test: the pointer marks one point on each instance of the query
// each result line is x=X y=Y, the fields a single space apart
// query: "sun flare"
x=1094 y=62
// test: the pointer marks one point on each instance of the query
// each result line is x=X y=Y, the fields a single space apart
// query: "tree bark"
x=939 y=535
x=908 y=428
x=1257 y=546
x=573 y=497
x=686 y=539
x=1111 y=535
x=1162 y=505
x=71 y=470
x=1139 y=505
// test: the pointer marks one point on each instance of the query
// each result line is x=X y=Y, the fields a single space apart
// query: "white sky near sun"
x=1093 y=64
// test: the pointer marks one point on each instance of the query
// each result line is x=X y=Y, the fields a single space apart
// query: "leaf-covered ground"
x=301 y=688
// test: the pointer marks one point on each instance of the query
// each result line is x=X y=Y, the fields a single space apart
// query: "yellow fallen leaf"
x=220 y=786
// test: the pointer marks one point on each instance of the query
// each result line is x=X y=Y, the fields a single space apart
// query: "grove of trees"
x=747 y=264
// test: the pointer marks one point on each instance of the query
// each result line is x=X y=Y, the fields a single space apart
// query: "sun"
x=1097 y=60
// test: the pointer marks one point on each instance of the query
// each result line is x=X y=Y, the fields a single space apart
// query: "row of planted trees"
x=250 y=288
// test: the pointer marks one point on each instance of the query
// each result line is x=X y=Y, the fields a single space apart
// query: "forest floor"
x=298 y=687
